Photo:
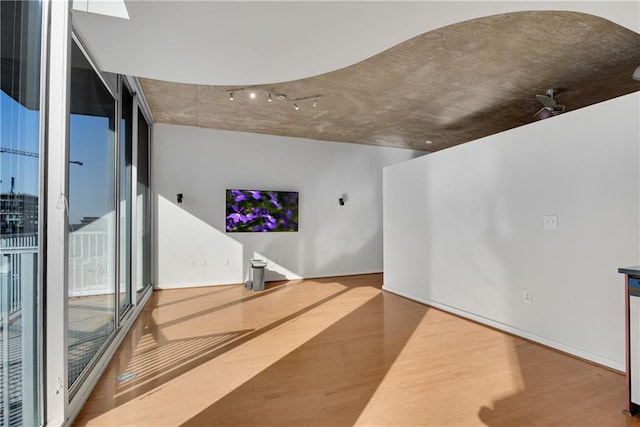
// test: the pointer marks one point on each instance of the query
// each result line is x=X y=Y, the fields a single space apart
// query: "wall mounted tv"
x=260 y=211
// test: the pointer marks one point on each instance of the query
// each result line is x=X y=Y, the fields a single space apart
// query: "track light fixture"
x=278 y=96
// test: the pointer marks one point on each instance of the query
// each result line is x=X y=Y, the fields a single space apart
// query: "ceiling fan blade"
x=547 y=101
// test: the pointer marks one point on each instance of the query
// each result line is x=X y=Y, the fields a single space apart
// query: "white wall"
x=464 y=228
x=192 y=246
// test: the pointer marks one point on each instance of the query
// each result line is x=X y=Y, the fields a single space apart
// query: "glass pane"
x=144 y=206
x=91 y=299
x=19 y=202
x=126 y=150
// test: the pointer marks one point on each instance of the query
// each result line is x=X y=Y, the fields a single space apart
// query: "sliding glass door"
x=20 y=202
x=92 y=215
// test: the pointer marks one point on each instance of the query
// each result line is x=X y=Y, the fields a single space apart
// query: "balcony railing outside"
x=18 y=272
x=11 y=250
x=88 y=276
x=88 y=266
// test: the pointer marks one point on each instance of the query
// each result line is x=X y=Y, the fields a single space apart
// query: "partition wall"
x=75 y=213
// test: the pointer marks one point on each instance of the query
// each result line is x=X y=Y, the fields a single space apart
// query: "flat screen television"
x=261 y=211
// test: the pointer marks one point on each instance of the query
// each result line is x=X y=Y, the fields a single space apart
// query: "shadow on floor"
x=587 y=392
x=330 y=379
x=215 y=346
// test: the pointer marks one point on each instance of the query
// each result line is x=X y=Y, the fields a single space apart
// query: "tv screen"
x=260 y=211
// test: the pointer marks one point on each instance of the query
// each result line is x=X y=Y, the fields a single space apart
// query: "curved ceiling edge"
x=442 y=88
x=240 y=43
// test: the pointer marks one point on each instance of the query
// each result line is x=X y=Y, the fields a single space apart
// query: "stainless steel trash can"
x=257 y=268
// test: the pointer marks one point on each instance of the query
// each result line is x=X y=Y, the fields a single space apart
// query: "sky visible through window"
x=19 y=131
x=91 y=189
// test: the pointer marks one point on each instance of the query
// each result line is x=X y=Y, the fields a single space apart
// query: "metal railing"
x=18 y=273
x=90 y=273
x=90 y=270
x=12 y=250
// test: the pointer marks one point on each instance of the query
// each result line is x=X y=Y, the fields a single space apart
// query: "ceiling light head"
x=252 y=95
x=296 y=106
x=636 y=74
x=230 y=96
x=543 y=113
x=428 y=141
x=315 y=103
x=550 y=106
x=269 y=99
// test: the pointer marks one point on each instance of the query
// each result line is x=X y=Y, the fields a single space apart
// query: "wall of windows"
x=75 y=254
x=103 y=282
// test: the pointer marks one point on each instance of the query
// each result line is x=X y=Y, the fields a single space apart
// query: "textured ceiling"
x=449 y=86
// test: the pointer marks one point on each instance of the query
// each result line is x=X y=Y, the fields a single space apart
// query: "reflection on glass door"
x=92 y=220
x=19 y=207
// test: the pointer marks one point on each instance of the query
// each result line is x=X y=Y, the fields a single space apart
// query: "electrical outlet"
x=550 y=222
x=527 y=297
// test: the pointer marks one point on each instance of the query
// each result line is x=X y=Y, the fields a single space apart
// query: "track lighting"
x=253 y=94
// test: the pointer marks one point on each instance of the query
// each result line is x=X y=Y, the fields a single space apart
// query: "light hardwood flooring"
x=338 y=352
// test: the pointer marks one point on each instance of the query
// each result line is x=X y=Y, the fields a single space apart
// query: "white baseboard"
x=582 y=354
x=162 y=286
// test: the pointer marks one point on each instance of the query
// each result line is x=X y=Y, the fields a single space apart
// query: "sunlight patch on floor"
x=210 y=381
x=437 y=390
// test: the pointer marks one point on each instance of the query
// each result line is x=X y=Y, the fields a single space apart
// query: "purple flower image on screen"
x=237 y=196
x=261 y=211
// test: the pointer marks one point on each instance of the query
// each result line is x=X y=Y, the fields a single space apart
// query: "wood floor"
x=338 y=352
